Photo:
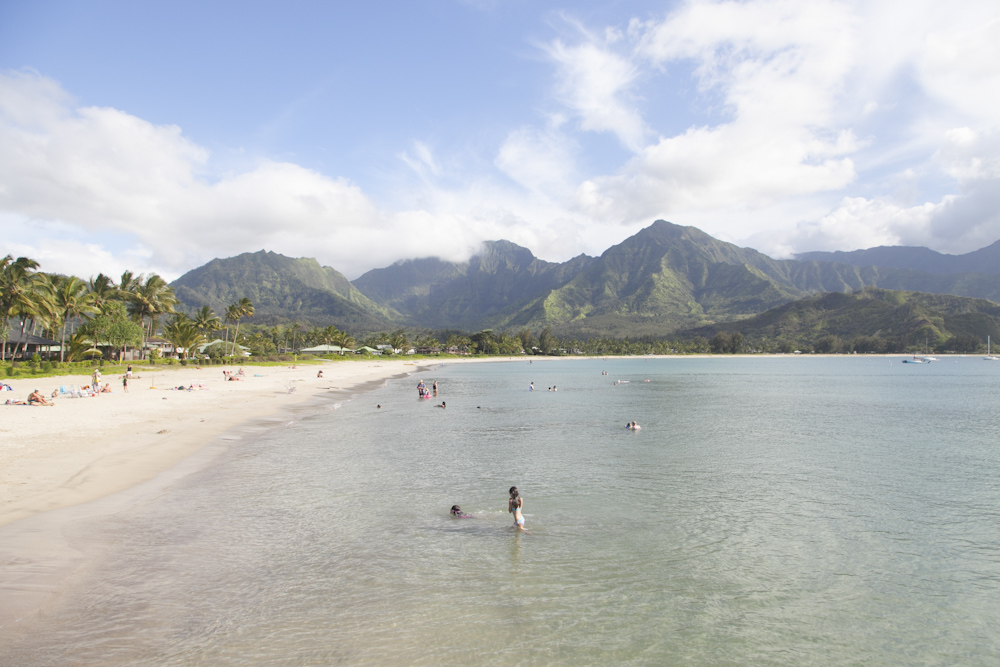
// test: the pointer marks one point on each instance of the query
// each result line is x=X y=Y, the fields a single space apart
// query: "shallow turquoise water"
x=773 y=511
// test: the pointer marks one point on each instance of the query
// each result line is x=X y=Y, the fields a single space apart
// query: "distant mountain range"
x=914 y=317
x=917 y=258
x=664 y=279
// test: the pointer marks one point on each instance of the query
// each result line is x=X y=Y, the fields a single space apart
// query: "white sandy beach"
x=82 y=449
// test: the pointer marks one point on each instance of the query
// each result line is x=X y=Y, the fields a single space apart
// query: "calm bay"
x=789 y=510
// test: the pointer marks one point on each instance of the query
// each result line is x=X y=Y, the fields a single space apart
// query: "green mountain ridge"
x=485 y=290
x=282 y=289
x=665 y=278
x=908 y=316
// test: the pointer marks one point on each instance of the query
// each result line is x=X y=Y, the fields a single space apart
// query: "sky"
x=154 y=136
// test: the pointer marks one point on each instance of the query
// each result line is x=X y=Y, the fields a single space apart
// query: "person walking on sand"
x=125 y=383
x=515 y=505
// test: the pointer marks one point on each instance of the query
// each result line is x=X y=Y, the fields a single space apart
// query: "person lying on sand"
x=36 y=398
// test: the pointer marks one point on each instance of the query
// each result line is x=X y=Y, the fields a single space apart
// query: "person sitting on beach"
x=240 y=373
x=106 y=389
x=320 y=374
x=457 y=512
x=36 y=398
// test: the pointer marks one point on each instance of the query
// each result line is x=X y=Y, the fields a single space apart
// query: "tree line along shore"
x=55 y=323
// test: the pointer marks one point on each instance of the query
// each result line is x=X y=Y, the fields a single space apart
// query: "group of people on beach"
x=233 y=377
x=514 y=506
x=34 y=398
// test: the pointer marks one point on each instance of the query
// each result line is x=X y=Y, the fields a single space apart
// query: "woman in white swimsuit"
x=514 y=505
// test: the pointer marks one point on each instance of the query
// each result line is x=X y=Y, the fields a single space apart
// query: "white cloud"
x=90 y=190
x=801 y=126
x=808 y=107
x=423 y=163
x=541 y=161
x=596 y=83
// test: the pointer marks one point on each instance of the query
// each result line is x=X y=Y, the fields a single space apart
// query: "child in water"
x=514 y=505
x=457 y=512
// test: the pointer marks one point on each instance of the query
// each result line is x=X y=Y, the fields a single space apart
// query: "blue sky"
x=155 y=136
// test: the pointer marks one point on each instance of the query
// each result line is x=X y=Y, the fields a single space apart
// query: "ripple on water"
x=770 y=511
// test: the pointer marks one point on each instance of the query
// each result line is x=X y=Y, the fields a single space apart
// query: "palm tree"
x=15 y=287
x=294 y=328
x=78 y=345
x=72 y=299
x=207 y=321
x=243 y=308
x=342 y=339
x=150 y=298
x=183 y=332
x=103 y=290
x=129 y=285
x=37 y=306
x=232 y=315
x=277 y=334
x=398 y=340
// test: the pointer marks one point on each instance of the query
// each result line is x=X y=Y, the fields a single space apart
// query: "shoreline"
x=131 y=447
x=83 y=449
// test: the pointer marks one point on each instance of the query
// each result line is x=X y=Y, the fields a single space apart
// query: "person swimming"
x=443 y=405
x=515 y=505
x=457 y=512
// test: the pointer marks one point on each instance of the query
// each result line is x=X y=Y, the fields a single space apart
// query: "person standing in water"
x=515 y=505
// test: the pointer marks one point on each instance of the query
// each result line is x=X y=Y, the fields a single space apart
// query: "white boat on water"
x=916 y=360
x=989 y=356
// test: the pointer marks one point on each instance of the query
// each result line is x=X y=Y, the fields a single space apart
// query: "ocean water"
x=781 y=511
